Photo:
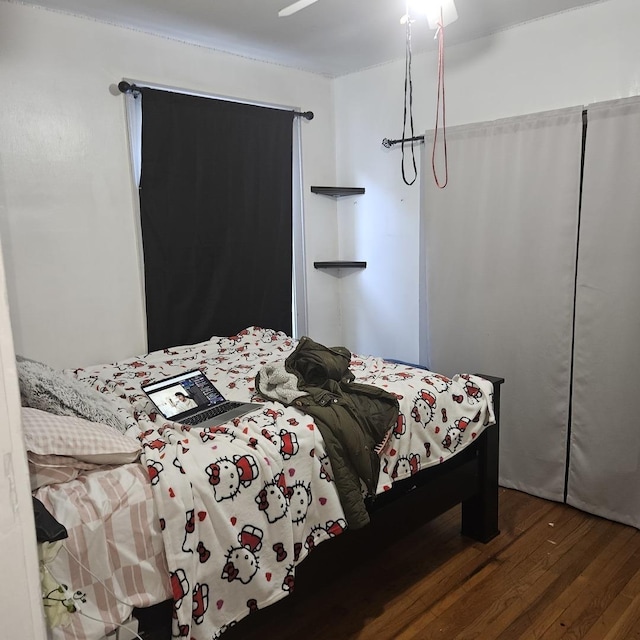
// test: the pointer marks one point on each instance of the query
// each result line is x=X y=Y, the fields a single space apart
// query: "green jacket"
x=353 y=419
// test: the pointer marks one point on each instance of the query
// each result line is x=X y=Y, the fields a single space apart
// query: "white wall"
x=582 y=56
x=20 y=596
x=67 y=207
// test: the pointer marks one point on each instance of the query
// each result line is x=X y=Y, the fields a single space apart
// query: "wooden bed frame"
x=469 y=479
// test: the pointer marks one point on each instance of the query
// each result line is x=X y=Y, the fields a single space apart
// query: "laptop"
x=191 y=398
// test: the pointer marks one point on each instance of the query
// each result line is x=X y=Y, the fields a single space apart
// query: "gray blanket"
x=44 y=388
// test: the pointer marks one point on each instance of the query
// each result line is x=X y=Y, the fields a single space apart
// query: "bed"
x=217 y=520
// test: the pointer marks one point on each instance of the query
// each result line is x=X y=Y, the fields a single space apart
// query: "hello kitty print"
x=242 y=504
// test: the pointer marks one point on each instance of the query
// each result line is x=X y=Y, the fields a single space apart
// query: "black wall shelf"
x=340 y=264
x=336 y=192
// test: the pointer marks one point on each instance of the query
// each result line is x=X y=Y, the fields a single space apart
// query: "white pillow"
x=49 y=434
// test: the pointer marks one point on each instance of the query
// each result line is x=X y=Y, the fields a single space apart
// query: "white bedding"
x=114 y=558
x=241 y=505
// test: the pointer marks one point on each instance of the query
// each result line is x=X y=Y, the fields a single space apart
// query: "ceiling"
x=330 y=37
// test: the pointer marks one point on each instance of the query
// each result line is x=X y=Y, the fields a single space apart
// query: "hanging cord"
x=408 y=96
x=440 y=36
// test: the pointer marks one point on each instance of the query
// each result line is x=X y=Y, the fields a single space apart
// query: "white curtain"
x=604 y=471
x=498 y=285
x=133 y=105
x=300 y=308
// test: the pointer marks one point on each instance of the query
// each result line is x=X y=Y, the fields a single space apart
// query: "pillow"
x=48 y=434
x=42 y=387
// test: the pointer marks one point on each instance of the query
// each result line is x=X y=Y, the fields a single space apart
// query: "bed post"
x=480 y=512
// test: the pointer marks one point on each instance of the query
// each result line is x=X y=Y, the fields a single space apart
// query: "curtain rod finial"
x=127 y=87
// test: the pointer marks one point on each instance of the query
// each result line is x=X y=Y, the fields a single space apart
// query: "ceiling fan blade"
x=295 y=7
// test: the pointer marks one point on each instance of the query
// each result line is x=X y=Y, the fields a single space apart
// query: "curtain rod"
x=389 y=143
x=126 y=87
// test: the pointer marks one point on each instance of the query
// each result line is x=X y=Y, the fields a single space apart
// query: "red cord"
x=440 y=93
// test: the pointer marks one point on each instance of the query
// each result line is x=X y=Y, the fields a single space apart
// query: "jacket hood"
x=315 y=364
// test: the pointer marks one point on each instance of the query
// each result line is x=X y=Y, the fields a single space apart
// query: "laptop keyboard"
x=211 y=413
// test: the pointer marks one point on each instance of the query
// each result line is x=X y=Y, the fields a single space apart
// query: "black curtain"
x=215 y=202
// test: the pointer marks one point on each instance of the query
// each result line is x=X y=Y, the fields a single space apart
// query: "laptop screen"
x=183 y=395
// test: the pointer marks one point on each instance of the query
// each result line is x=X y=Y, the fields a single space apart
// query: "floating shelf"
x=336 y=192
x=340 y=264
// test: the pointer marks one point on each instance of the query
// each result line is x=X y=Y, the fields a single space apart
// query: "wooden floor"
x=553 y=572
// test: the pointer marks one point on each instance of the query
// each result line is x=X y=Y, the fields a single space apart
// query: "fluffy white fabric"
x=44 y=388
x=276 y=383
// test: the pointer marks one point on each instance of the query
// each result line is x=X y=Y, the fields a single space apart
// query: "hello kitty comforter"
x=241 y=505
